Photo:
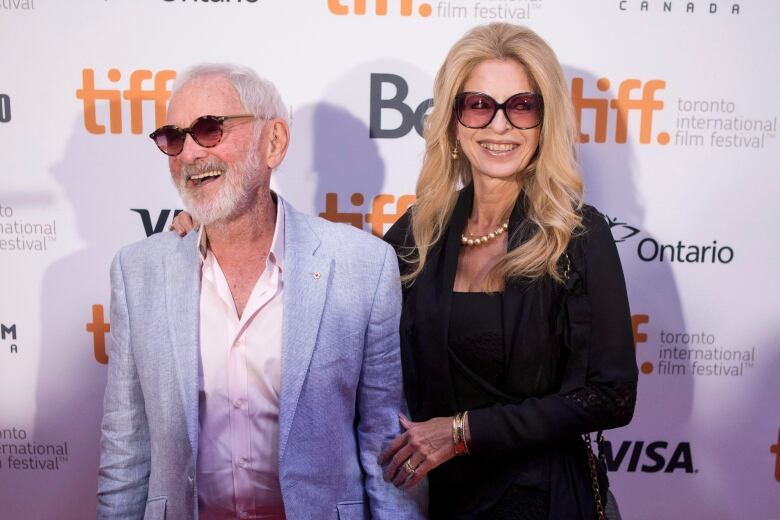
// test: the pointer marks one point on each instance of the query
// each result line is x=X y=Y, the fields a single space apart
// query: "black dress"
x=528 y=411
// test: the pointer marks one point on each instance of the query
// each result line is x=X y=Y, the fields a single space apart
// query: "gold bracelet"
x=458 y=434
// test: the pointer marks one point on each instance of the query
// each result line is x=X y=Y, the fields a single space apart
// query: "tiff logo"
x=359 y=7
x=623 y=106
x=775 y=448
x=136 y=94
x=378 y=217
x=98 y=328
x=637 y=320
x=159 y=225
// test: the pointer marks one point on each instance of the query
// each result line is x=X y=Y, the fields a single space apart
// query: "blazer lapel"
x=306 y=276
x=182 y=304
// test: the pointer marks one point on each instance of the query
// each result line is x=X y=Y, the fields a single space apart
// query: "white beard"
x=234 y=194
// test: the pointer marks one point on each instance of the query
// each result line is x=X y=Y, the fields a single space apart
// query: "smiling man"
x=254 y=367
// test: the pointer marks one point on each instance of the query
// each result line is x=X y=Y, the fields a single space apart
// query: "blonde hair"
x=551 y=182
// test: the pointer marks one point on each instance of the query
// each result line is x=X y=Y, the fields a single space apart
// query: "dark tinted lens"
x=169 y=139
x=207 y=131
x=523 y=110
x=475 y=110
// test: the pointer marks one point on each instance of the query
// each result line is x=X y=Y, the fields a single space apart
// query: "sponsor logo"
x=99 y=328
x=380 y=8
x=649 y=457
x=160 y=224
x=624 y=105
x=17 y=5
x=410 y=117
x=17 y=452
x=640 y=337
x=379 y=217
x=388 y=93
x=507 y=10
x=5 y=108
x=677 y=6
x=718 y=123
x=135 y=95
x=775 y=448
x=686 y=354
x=8 y=334
x=650 y=250
x=214 y=1
x=19 y=235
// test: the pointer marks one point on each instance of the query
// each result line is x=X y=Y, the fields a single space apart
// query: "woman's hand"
x=183 y=224
x=422 y=447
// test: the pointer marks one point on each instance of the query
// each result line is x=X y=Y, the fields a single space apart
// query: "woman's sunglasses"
x=477 y=110
x=205 y=130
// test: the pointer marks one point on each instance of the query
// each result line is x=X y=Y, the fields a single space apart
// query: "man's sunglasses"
x=205 y=130
x=477 y=110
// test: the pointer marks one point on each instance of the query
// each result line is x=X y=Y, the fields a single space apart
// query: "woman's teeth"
x=495 y=147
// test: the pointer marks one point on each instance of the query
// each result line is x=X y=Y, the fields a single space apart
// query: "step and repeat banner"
x=678 y=110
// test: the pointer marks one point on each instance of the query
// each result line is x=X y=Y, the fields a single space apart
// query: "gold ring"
x=408 y=466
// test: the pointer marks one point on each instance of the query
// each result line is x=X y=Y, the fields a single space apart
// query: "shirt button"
x=238 y=403
x=242 y=462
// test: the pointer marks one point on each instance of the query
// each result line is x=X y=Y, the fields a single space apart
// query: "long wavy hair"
x=551 y=182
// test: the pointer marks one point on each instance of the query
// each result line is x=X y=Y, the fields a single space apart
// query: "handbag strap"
x=594 y=479
x=578 y=325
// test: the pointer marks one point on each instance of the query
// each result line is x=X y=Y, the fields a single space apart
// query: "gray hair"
x=259 y=96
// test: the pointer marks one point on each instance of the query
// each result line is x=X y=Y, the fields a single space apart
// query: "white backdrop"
x=679 y=110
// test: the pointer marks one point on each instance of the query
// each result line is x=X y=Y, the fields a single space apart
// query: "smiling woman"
x=515 y=330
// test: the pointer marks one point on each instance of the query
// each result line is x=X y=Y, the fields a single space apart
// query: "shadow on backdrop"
x=102 y=177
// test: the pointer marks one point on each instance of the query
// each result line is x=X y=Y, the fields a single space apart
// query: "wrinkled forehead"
x=208 y=95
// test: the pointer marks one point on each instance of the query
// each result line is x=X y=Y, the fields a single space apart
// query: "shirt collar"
x=275 y=255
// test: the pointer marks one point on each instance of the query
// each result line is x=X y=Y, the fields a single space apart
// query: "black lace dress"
x=477 y=361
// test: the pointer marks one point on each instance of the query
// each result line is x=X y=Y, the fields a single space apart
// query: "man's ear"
x=278 y=138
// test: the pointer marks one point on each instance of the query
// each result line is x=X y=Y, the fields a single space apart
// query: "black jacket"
x=569 y=356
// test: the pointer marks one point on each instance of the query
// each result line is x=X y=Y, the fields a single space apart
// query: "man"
x=254 y=367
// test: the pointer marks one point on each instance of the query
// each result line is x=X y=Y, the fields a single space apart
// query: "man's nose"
x=191 y=151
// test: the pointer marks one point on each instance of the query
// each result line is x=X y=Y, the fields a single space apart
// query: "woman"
x=515 y=330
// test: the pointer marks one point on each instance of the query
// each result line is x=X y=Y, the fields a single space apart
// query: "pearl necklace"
x=484 y=239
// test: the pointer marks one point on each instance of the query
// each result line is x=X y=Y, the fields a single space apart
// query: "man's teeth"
x=211 y=173
x=494 y=147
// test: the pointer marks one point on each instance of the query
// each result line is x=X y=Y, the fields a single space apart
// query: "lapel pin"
x=317 y=275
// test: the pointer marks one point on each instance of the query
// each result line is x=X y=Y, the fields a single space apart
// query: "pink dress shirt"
x=239 y=381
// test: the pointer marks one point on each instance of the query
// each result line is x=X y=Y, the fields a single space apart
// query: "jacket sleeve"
x=124 y=447
x=380 y=399
x=604 y=398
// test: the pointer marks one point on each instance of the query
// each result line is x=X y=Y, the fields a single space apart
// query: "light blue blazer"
x=341 y=387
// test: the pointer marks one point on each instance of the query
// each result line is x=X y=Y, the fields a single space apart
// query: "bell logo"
x=623 y=106
x=135 y=94
x=359 y=7
x=98 y=327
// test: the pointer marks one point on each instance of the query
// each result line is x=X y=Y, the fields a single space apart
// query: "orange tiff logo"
x=775 y=448
x=135 y=94
x=624 y=105
x=98 y=327
x=359 y=7
x=378 y=217
x=641 y=337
